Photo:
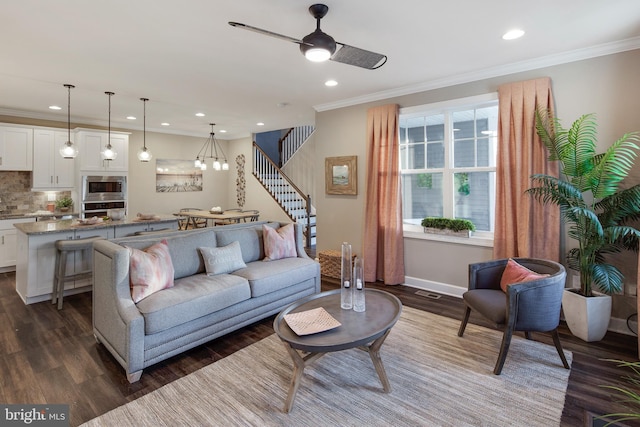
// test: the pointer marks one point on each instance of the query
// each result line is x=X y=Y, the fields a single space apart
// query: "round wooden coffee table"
x=366 y=330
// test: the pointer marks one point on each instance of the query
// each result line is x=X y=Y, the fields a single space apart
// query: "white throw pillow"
x=222 y=260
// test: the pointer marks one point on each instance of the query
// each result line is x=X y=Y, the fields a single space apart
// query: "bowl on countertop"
x=115 y=214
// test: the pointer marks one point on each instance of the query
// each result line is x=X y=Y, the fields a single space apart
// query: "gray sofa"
x=198 y=308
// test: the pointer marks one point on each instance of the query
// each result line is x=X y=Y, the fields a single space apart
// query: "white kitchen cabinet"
x=8 y=242
x=16 y=148
x=91 y=143
x=51 y=171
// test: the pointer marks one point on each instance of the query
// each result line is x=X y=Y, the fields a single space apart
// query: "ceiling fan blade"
x=359 y=57
x=265 y=32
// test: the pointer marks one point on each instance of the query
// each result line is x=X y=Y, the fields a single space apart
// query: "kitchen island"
x=36 y=252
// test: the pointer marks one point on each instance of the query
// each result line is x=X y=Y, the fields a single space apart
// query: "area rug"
x=437 y=379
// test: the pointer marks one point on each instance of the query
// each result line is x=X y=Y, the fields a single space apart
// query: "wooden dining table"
x=230 y=216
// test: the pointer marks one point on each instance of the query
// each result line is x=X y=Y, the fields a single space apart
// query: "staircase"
x=291 y=199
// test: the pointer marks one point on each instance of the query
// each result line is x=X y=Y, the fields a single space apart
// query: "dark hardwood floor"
x=50 y=356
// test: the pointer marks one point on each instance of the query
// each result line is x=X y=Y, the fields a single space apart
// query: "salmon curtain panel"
x=383 y=241
x=523 y=227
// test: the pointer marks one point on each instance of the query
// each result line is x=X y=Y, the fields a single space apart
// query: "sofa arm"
x=299 y=240
x=117 y=322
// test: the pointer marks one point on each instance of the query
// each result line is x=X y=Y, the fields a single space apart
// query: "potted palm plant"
x=596 y=210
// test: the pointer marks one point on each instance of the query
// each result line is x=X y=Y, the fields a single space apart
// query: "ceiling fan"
x=319 y=46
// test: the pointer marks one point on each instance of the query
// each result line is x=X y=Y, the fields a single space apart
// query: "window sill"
x=474 y=240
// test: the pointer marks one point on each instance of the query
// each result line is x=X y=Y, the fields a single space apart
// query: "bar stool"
x=63 y=247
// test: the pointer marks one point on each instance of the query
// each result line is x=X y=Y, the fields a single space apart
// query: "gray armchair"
x=528 y=307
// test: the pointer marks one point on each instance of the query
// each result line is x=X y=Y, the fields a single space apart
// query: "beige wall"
x=607 y=86
x=256 y=197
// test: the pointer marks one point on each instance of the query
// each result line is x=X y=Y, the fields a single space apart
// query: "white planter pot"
x=587 y=318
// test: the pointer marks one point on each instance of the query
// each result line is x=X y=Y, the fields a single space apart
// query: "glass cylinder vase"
x=358 y=291
x=346 y=293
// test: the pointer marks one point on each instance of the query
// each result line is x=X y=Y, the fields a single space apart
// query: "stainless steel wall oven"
x=102 y=192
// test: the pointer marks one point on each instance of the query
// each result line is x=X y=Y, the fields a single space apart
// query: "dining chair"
x=184 y=221
x=529 y=306
x=254 y=217
x=228 y=221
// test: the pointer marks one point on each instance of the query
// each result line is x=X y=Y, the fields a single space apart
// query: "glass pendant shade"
x=144 y=155
x=68 y=150
x=108 y=153
x=216 y=165
x=225 y=166
x=197 y=163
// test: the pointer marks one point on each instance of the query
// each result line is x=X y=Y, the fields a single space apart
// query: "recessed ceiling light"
x=164 y=124
x=260 y=124
x=54 y=107
x=513 y=34
x=199 y=114
x=131 y=118
x=223 y=131
x=331 y=83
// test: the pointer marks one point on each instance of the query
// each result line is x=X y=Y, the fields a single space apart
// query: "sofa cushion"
x=222 y=260
x=190 y=298
x=183 y=248
x=265 y=277
x=280 y=243
x=250 y=239
x=150 y=270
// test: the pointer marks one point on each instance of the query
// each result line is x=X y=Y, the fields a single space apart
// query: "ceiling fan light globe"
x=316 y=54
x=318 y=46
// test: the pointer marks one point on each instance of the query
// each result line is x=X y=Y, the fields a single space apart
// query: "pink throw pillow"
x=150 y=270
x=516 y=273
x=280 y=243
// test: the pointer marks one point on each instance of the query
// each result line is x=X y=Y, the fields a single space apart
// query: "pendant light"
x=108 y=153
x=68 y=150
x=144 y=155
x=212 y=145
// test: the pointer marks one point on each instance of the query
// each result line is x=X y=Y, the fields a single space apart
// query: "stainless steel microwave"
x=104 y=188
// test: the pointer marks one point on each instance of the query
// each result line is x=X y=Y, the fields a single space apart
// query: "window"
x=448 y=160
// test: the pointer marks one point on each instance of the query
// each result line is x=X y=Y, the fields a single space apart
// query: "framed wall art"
x=341 y=175
x=176 y=176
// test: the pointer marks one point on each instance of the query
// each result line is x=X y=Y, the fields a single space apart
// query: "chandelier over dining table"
x=209 y=151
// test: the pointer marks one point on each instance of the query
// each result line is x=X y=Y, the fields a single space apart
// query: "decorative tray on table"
x=311 y=321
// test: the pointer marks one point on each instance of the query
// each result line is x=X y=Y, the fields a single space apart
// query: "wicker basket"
x=331 y=263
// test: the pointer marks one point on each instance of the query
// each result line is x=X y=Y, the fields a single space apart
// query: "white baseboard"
x=615 y=325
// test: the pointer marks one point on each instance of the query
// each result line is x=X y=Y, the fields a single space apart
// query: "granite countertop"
x=36 y=214
x=59 y=226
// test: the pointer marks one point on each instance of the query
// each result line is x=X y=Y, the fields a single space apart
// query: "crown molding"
x=516 y=67
x=79 y=122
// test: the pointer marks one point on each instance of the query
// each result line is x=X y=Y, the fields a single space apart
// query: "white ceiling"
x=184 y=57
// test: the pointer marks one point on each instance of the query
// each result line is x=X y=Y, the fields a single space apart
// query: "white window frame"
x=479 y=238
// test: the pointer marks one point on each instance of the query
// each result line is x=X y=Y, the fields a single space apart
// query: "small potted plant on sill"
x=448 y=226
x=63 y=204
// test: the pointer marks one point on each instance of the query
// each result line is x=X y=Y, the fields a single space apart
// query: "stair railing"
x=264 y=169
x=291 y=141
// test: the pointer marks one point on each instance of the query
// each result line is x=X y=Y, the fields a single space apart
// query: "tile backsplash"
x=16 y=196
